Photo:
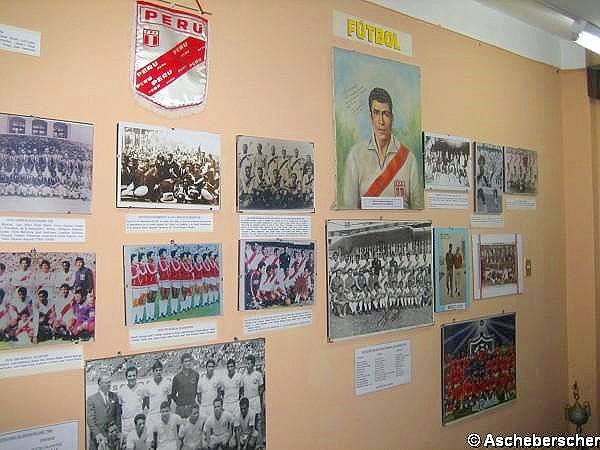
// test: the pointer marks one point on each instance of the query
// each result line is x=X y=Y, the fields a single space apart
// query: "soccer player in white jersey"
x=191 y=432
x=138 y=439
x=246 y=426
x=208 y=388
x=164 y=431
x=131 y=397
x=156 y=392
x=253 y=384
x=219 y=428
x=231 y=383
x=64 y=276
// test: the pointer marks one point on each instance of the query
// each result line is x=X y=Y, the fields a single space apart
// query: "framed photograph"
x=520 y=171
x=497 y=265
x=275 y=174
x=209 y=396
x=447 y=162
x=163 y=167
x=276 y=274
x=171 y=282
x=379 y=154
x=452 y=252
x=489 y=178
x=479 y=366
x=45 y=165
x=379 y=276
x=46 y=298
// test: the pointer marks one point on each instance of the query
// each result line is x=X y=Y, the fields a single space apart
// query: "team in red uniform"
x=182 y=280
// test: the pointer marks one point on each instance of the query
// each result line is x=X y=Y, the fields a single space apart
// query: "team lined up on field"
x=380 y=277
x=179 y=281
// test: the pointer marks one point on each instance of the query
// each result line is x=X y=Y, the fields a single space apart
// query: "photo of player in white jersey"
x=199 y=398
x=275 y=174
x=171 y=281
x=45 y=165
x=379 y=276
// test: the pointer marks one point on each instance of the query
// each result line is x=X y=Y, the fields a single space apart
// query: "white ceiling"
x=554 y=16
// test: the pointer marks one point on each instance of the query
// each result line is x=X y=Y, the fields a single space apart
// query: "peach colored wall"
x=580 y=220
x=270 y=75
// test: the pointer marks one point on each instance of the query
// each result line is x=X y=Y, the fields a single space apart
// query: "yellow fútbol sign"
x=357 y=29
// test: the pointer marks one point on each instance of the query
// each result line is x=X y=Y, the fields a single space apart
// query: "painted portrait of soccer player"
x=379 y=155
x=275 y=174
x=46 y=298
x=489 y=178
x=452 y=252
x=497 y=266
x=520 y=171
x=45 y=165
x=479 y=366
x=171 y=282
x=379 y=276
x=163 y=167
x=276 y=274
x=447 y=162
x=198 y=398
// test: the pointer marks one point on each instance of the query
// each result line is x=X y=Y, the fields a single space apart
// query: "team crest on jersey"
x=170 y=63
x=399 y=188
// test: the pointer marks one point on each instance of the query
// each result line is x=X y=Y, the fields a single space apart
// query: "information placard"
x=448 y=200
x=274 y=227
x=382 y=366
x=20 y=40
x=169 y=334
x=13 y=364
x=257 y=324
x=30 y=229
x=521 y=203
x=487 y=221
x=162 y=223
x=62 y=436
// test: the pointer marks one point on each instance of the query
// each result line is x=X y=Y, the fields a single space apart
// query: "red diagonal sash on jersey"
x=169 y=66
x=388 y=174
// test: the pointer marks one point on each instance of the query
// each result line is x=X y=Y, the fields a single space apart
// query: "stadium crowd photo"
x=46 y=297
x=202 y=398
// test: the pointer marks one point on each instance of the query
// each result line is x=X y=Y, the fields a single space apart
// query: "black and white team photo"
x=275 y=174
x=520 y=171
x=210 y=397
x=379 y=276
x=447 y=162
x=45 y=165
